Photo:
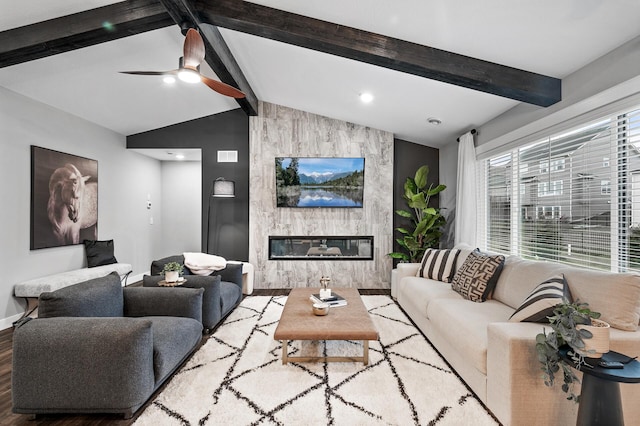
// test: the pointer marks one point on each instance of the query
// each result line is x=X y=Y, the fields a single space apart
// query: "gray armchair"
x=100 y=348
x=222 y=289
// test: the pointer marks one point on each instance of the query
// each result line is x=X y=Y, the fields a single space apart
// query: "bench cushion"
x=33 y=288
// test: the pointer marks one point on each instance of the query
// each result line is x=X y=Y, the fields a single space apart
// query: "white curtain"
x=466 y=207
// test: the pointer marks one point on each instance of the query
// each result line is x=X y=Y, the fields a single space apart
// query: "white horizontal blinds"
x=628 y=191
x=580 y=182
x=497 y=226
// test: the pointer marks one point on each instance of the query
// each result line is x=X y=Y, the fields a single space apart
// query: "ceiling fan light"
x=169 y=79
x=188 y=76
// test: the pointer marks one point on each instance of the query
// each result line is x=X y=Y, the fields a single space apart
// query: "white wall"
x=125 y=179
x=609 y=79
x=181 y=207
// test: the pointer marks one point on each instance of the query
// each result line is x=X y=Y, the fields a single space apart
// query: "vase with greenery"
x=172 y=271
x=426 y=222
x=565 y=324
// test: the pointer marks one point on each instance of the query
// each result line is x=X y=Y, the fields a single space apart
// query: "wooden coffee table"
x=351 y=322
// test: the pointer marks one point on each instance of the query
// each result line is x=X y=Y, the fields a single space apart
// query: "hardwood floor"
x=7 y=418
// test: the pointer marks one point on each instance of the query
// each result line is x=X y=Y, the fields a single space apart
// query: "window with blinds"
x=572 y=197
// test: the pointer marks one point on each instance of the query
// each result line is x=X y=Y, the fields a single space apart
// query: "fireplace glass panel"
x=321 y=248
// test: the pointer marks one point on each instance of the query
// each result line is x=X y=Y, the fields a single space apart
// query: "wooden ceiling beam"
x=80 y=30
x=380 y=50
x=218 y=56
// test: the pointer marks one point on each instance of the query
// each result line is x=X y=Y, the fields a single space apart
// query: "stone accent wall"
x=279 y=131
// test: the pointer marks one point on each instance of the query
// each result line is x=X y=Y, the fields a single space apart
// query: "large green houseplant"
x=565 y=331
x=426 y=222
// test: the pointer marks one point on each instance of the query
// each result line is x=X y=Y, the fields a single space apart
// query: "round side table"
x=600 y=402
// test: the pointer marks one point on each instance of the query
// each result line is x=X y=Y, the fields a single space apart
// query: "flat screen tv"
x=319 y=182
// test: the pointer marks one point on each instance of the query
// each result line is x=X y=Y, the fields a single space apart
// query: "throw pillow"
x=438 y=264
x=478 y=275
x=543 y=299
x=99 y=253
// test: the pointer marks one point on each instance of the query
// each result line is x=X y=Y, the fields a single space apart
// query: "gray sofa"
x=100 y=348
x=222 y=289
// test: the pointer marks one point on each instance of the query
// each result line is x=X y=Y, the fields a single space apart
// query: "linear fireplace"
x=321 y=248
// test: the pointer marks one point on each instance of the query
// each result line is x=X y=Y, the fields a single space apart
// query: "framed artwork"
x=64 y=198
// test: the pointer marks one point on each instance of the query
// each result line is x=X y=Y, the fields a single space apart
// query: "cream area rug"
x=237 y=378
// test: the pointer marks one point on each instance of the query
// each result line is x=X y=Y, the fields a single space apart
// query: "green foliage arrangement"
x=173 y=266
x=566 y=317
x=426 y=221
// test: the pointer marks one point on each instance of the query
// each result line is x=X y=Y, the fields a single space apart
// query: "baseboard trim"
x=132 y=279
x=8 y=322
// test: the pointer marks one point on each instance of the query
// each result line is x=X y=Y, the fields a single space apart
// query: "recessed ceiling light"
x=169 y=79
x=366 y=97
x=434 y=121
x=180 y=156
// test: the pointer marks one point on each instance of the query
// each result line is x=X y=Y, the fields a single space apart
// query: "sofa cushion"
x=421 y=291
x=476 y=278
x=173 y=340
x=519 y=277
x=615 y=296
x=465 y=325
x=99 y=253
x=438 y=264
x=99 y=297
x=542 y=301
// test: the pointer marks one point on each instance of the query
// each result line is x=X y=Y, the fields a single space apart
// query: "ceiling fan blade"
x=222 y=88
x=149 y=72
x=193 y=49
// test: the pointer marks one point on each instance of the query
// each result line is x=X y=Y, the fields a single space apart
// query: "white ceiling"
x=544 y=36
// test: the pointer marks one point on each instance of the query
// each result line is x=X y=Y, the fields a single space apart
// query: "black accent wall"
x=407 y=158
x=229 y=217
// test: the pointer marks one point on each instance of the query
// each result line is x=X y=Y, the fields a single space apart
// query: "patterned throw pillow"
x=438 y=264
x=538 y=305
x=478 y=275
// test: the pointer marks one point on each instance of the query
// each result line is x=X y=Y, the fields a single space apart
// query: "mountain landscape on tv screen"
x=321 y=177
x=319 y=182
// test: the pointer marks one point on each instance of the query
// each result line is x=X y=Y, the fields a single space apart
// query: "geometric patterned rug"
x=237 y=378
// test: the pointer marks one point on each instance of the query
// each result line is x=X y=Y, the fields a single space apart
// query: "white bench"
x=30 y=290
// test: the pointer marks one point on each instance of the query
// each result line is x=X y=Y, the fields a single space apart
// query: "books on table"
x=333 y=301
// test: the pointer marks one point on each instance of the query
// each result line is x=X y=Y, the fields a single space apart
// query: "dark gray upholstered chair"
x=100 y=348
x=222 y=289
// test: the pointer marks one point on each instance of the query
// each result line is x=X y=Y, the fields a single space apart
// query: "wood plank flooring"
x=7 y=418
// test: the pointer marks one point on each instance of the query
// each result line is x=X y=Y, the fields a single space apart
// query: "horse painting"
x=72 y=205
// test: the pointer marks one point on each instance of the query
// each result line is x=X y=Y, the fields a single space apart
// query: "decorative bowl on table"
x=320 y=308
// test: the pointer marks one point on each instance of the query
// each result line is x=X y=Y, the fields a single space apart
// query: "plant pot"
x=171 y=276
x=599 y=342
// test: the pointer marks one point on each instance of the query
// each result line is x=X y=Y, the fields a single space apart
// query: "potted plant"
x=426 y=222
x=567 y=329
x=172 y=271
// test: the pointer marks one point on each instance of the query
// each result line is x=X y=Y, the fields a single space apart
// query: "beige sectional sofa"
x=497 y=358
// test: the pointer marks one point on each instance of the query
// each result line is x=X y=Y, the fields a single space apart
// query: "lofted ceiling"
x=545 y=37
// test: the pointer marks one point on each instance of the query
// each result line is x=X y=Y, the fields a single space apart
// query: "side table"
x=600 y=402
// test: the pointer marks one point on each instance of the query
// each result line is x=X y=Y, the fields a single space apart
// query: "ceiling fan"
x=189 y=67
